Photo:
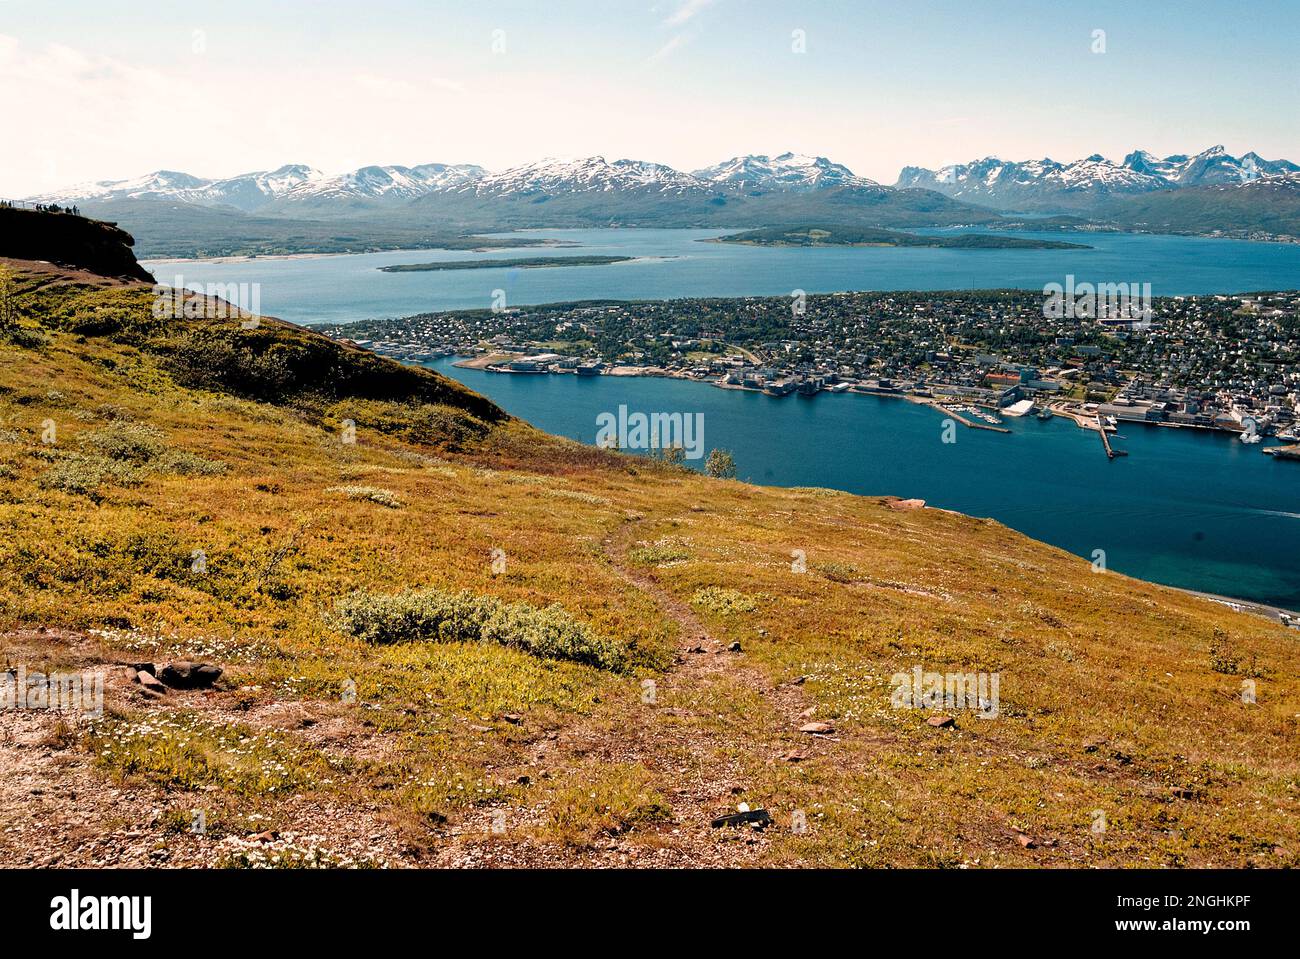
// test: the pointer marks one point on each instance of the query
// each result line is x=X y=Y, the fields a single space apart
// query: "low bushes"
x=434 y=616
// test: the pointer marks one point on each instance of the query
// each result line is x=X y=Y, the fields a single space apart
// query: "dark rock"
x=149 y=683
x=758 y=818
x=149 y=668
x=734 y=647
x=185 y=675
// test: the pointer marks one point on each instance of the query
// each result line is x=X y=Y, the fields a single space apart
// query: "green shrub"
x=75 y=473
x=724 y=602
x=374 y=494
x=123 y=453
x=663 y=552
x=28 y=338
x=124 y=441
x=434 y=616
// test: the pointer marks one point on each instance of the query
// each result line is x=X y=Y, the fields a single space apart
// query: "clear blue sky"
x=216 y=88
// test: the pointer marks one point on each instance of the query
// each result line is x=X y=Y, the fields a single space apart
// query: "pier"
x=1111 y=452
x=1284 y=452
x=965 y=422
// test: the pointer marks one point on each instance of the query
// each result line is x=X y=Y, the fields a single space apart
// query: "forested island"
x=524 y=263
x=869 y=236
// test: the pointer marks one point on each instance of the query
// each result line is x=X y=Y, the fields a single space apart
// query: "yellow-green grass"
x=1111 y=696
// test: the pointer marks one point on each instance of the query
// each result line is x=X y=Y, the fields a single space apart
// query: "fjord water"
x=674 y=263
x=1191 y=509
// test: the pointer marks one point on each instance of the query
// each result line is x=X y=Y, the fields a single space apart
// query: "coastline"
x=1250 y=607
x=1063 y=409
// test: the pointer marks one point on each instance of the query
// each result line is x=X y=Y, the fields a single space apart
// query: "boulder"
x=906 y=504
x=186 y=675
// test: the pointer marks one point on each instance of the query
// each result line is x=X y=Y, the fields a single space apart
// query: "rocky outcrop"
x=70 y=241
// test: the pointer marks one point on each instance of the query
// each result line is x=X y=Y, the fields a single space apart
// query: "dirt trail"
x=699 y=761
x=57 y=810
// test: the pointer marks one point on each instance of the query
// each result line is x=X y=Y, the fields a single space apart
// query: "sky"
x=111 y=89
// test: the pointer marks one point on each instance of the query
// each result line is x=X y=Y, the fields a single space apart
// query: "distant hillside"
x=68 y=240
x=167 y=228
x=1270 y=205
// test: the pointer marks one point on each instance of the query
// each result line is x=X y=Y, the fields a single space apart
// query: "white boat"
x=1019 y=408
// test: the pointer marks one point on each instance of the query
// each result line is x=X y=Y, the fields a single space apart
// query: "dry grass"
x=1114 y=693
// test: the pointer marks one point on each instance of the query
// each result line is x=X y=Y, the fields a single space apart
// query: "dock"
x=1284 y=452
x=1111 y=452
x=965 y=422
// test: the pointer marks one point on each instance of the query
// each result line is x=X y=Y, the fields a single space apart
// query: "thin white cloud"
x=687 y=11
x=667 y=49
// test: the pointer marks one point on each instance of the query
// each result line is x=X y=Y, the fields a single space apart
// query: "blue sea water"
x=673 y=263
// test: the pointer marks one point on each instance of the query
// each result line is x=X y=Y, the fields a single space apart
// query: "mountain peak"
x=786 y=171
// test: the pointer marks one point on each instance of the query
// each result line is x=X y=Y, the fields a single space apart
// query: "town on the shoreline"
x=1214 y=362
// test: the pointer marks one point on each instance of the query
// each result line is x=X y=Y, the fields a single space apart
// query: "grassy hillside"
x=437 y=625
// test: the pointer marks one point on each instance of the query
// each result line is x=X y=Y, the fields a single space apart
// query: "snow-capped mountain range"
x=248 y=191
x=1210 y=191
x=1048 y=184
x=296 y=183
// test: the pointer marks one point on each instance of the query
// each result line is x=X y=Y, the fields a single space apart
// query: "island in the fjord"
x=869 y=236
x=523 y=263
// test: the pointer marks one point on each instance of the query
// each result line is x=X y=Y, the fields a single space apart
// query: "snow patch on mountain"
x=583 y=175
x=789 y=171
